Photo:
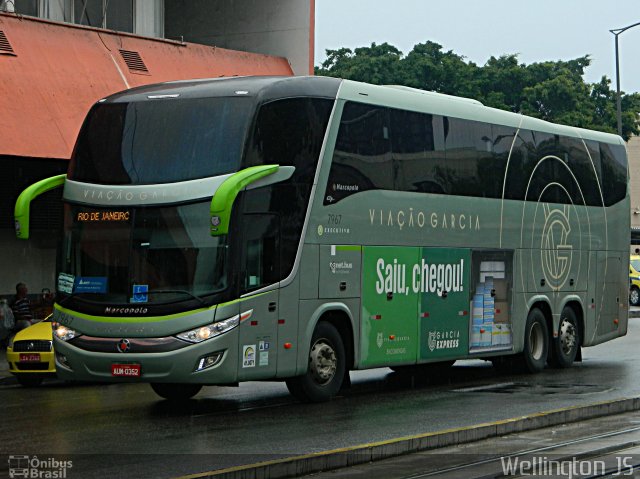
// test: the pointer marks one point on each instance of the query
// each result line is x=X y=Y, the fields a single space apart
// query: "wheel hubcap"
x=635 y=296
x=322 y=362
x=567 y=337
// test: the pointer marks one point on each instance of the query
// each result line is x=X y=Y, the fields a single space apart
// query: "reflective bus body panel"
x=433 y=226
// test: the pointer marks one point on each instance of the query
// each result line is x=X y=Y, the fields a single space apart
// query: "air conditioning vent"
x=5 y=46
x=134 y=62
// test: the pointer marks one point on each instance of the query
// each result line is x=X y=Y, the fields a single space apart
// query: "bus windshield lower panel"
x=141 y=255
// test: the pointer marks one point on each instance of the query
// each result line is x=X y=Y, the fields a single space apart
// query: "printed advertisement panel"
x=415 y=304
x=389 y=306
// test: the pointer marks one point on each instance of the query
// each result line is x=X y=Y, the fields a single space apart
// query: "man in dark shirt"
x=21 y=307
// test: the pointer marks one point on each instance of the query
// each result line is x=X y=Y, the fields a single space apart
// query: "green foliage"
x=554 y=90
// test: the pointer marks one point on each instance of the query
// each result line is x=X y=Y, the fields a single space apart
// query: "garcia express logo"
x=443 y=340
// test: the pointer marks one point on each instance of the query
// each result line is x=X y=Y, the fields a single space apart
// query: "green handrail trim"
x=23 y=203
x=226 y=194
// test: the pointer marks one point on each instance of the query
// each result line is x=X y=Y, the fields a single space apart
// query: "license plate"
x=125 y=370
x=30 y=358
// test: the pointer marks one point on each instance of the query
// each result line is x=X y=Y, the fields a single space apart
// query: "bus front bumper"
x=213 y=361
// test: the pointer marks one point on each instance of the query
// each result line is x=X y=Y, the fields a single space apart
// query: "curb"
x=365 y=453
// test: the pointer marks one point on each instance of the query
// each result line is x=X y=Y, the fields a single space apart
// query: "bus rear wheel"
x=176 y=392
x=326 y=368
x=536 y=343
x=565 y=347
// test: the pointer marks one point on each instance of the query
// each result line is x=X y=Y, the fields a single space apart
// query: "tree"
x=377 y=64
x=553 y=90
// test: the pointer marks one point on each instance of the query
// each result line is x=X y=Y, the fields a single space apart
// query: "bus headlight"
x=210 y=331
x=65 y=334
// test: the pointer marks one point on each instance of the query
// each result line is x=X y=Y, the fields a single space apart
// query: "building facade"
x=58 y=57
x=283 y=28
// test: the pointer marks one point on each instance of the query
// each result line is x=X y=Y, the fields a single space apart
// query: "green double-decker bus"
x=297 y=228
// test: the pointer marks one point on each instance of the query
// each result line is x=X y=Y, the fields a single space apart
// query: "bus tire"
x=565 y=347
x=176 y=391
x=634 y=296
x=536 y=342
x=326 y=368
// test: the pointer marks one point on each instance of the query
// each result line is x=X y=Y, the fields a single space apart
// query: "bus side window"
x=362 y=155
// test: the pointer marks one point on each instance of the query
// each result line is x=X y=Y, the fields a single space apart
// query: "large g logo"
x=556 y=249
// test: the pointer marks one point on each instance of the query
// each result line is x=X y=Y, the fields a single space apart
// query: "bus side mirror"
x=226 y=194
x=23 y=203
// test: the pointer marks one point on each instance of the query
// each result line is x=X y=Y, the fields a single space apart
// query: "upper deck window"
x=142 y=17
x=160 y=141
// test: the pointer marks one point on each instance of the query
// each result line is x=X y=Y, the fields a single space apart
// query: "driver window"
x=261 y=261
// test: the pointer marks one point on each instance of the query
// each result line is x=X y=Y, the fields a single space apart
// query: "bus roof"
x=263 y=87
x=266 y=88
x=458 y=107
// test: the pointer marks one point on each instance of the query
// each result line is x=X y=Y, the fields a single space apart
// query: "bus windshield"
x=127 y=255
x=160 y=141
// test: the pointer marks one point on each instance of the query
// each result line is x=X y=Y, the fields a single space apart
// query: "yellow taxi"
x=634 y=280
x=30 y=354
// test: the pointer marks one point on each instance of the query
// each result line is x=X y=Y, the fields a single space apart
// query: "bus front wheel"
x=176 y=392
x=326 y=368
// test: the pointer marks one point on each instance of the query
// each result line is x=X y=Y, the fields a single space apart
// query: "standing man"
x=21 y=307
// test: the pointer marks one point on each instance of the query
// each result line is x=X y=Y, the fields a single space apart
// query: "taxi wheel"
x=29 y=380
x=634 y=296
x=176 y=392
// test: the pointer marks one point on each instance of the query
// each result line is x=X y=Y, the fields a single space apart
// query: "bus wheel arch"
x=565 y=346
x=330 y=357
x=342 y=322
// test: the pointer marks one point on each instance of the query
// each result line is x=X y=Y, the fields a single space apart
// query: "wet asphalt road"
x=109 y=430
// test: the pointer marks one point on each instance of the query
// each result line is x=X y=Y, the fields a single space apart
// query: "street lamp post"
x=616 y=32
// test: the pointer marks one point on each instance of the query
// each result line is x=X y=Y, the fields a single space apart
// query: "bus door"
x=259 y=267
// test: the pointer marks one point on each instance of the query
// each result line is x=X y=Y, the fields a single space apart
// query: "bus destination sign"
x=102 y=216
